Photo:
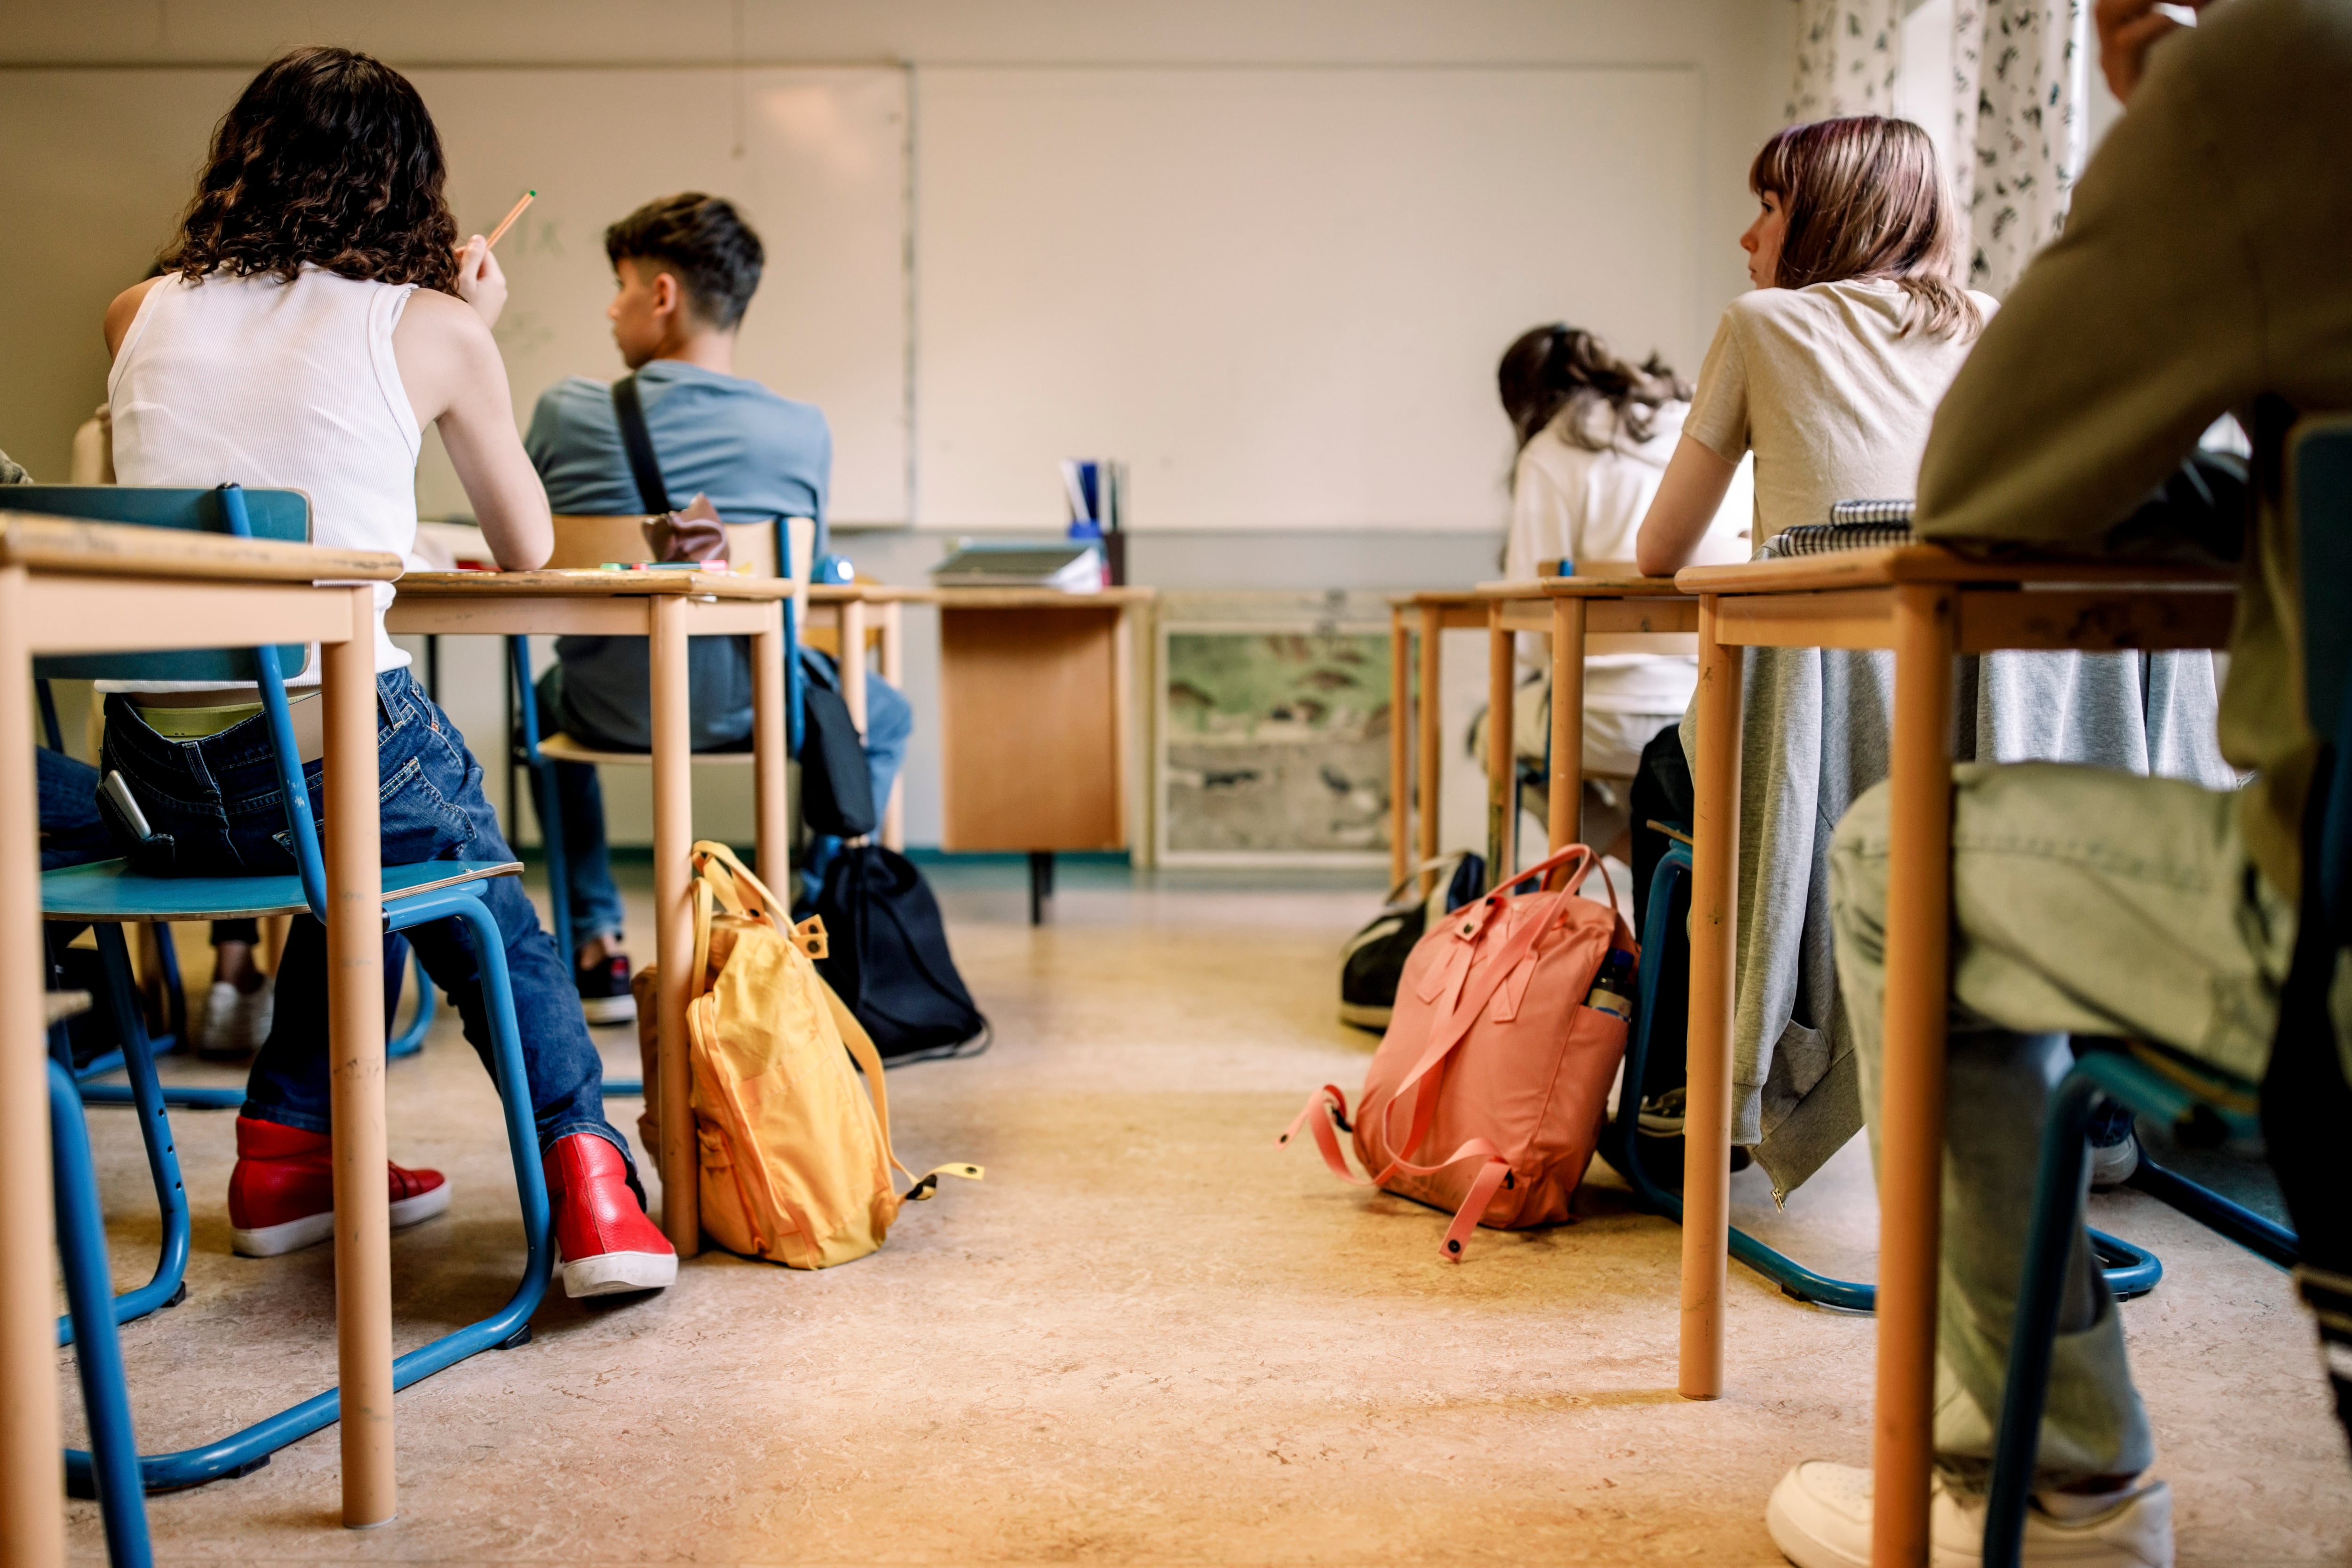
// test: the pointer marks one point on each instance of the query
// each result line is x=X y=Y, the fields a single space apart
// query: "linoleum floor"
x=1149 y=1336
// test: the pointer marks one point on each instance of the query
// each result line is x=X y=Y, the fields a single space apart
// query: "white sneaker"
x=236 y=1021
x=1820 y=1518
x=2113 y=1165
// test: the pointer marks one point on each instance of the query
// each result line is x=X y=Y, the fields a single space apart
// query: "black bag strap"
x=653 y=491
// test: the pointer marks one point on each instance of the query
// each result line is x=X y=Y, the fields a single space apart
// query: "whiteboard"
x=1278 y=294
x=100 y=163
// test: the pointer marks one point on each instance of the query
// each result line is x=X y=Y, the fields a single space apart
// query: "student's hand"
x=2126 y=29
x=479 y=282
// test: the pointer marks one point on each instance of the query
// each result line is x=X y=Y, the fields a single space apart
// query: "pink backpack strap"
x=1497 y=1175
x=1317 y=1113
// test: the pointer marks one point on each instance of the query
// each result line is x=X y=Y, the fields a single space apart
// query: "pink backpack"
x=1493 y=1058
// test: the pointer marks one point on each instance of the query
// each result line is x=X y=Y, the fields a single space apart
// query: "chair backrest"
x=2319 y=491
x=248 y=514
x=584 y=541
x=270 y=514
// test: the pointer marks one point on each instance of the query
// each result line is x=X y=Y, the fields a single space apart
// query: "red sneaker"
x=607 y=1243
x=281 y=1196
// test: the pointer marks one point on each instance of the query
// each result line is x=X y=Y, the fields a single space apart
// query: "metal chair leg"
x=249 y=1450
x=2131 y=1271
x=410 y=1040
x=98 y=1360
x=168 y=1287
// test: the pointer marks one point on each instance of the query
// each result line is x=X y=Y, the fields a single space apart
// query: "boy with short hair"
x=685 y=268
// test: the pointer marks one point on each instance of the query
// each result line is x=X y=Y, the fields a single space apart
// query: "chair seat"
x=111 y=890
x=563 y=748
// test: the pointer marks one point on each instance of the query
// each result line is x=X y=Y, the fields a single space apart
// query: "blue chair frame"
x=108 y=892
x=2131 y=1271
x=2320 y=466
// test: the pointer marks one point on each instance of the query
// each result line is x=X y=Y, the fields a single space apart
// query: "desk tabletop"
x=592 y=584
x=1437 y=599
x=1893 y=564
x=66 y=546
x=1611 y=582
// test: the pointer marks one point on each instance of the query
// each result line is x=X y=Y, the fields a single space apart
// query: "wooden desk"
x=666 y=608
x=854 y=609
x=80 y=588
x=1604 y=611
x=1417 y=731
x=1926 y=604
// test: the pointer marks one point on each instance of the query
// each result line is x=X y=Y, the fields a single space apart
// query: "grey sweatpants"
x=2084 y=901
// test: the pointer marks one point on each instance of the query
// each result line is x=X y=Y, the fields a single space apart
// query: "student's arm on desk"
x=1697 y=478
x=450 y=365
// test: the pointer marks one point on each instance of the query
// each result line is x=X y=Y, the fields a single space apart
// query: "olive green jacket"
x=2206 y=268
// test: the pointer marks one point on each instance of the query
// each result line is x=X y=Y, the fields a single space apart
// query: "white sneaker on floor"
x=2113 y=1165
x=236 y=1021
x=1820 y=1518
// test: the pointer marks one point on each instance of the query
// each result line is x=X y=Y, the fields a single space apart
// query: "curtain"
x=2019 y=132
x=1848 y=52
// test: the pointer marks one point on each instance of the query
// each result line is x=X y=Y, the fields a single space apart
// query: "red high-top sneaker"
x=608 y=1243
x=281 y=1196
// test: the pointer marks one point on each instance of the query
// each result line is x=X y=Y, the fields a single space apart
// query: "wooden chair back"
x=584 y=541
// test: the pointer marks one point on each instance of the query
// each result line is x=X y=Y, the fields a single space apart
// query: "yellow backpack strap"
x=698 y=978
x=869 y=1062
x=739 y=876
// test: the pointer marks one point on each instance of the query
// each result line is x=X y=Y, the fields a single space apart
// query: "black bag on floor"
x=889 y=958
x=836 y=790
x=1373 y=960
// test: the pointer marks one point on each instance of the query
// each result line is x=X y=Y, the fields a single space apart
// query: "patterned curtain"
x=2019 y=86
x=1848 y=52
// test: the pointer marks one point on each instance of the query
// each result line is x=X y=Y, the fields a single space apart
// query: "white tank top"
x=276 y=385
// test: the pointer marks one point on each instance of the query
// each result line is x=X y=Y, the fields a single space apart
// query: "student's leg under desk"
x=1707 y=1125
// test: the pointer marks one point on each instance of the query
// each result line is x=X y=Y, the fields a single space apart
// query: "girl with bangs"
x=1829 y=371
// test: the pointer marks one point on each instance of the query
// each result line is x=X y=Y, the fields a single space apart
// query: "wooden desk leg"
x=768 y=756
x=1706 y=1126
x=354 y=850
x=32 y=1469
x=1433 y=735
x=852 y=661
x=894 y=670
x=1502 y=787
x=1566 y=825
x=1400 y=748
x=674 y=920
x=1911 y=1109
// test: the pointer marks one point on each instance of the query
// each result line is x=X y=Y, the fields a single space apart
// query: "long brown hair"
x=1558 y=368
x=1866 y=199
x=328 y=157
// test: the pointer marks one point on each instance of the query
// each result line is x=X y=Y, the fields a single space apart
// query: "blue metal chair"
x=2204 y=1104
x=108 y=892
x=2131 y=1271
x=98 y=1360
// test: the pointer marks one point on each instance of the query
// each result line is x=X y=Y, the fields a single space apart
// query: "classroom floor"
x=1150 y=1335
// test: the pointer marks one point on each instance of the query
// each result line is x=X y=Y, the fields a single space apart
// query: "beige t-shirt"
x=1824 y=387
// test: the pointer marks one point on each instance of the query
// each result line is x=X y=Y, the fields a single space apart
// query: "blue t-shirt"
x=756 y=455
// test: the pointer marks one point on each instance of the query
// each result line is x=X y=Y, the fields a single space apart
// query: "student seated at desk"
x=1595 y=433
x=316 y=312
x=2197 y=274
x=686 y=267
x=1830 y=371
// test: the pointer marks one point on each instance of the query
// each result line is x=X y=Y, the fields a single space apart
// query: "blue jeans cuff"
x=255 y=1111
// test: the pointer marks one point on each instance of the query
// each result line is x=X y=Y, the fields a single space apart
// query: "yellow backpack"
x=795 y=1162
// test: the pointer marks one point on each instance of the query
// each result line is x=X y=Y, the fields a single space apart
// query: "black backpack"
x=889 y=959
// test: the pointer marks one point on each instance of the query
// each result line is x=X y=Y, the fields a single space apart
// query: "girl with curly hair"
x=314 y=314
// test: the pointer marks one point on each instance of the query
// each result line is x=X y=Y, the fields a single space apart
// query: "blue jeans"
x=72 y=833
x=219 y=803
x=596 y=901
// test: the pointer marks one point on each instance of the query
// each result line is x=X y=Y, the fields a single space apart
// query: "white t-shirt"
x=1821 y=384
x=1570 y=502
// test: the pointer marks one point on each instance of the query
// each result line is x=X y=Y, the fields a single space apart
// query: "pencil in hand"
x=508 y=222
